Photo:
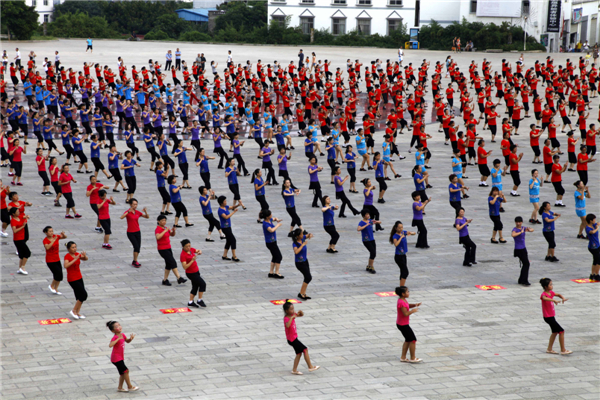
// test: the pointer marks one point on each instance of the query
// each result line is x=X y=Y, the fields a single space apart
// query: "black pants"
x=167 y=255
x=212 y=222
x=79 y=290
x=372 y=247
x=285 y=175
x=401 y=263
x=276 y=256
x=457 y=206
x=136 y=240
x=268 y=165
x=153 y=153
x=318 y=195
x=206 y=179
x=263 y=202
x=184 y=167
x=422 y=238
x=230 y=242
x=131 y=184
x=524 y=262
x=198 y=284
x=304 y=269
x=241 y=163
x=335 y=236
x=341 y=195
x=470 y=249
x=22 y=249
x=223 y=155
x=56 y=269
x=295 y=218
x=180 y=209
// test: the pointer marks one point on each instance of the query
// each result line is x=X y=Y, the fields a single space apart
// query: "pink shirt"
x=401 y=319
x=118 y=351
x=547 y=306
x=290 y=333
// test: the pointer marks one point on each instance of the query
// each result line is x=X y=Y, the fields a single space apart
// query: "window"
x=363 y=26
x=280 y=19
x=525 y=7
x=338 y=2
x=338 y=26
x=473 y=6
x=307 y=1
x=307 y=23
x=363 y=2
x=393 y=25
x=34 y=3
x=45 y=2
x=277 y=1
x=46 y=18
x=395 y=3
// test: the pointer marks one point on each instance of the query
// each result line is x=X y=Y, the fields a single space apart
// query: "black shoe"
x=223 y=237
x=305 y=297
x=181 y=280
x=554 y=259
x=226 y=258
x=271 y=275
x=177 y=226
x=168 y=213
x=188 y=225
x=235 y=259
x=329 y=251
x=474 y=263
x=209 y=240
x=381 y=201
x=116 y=190
x=547 y=258
x=166 y=282
x=277 y=276
x=341 y=216
x=467 y=264
x=201 y=303
x=525 y=283
x=192 y=304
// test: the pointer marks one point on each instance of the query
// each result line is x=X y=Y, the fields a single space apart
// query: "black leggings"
x=401 y=262
x=268 y=165
x=304 y=269
x=179 y=209
x=206 y=178
x=223 y=156
x=241 y=163
x=422 y=238
x=295 y=218
x=276 y=256
x=22 y=249
x=333 y=233
x=524 y=262
x=470 y=249
x=230 y=242
x=136 y=240
x=318 y=195
x=456 y=205
x=166 y=198
x=69 y=150
x=56 y=269
x=44 y=176
x=184 y=170
x=352 y=173
x=131 y=184
x=153 y=153
x=372 y=247
x=263 y=202
x=549 y=236
x=133 y=149
x=212 y=222
x=284 y=174
x=341 y=195
x=79 y=290
x=198 y=284
x=69 y=197
x=168 y=161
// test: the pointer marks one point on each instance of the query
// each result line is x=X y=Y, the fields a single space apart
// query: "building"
x=195 y=15
x=44 y=8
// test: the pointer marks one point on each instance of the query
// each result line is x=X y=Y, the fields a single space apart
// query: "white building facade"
x=44 y=8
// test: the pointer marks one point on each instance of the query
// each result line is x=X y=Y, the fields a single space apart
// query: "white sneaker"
x=73 y=315
x=58 y=293
x=3 y=234
x=20 y=271
x=52 y=290
x=81 y=316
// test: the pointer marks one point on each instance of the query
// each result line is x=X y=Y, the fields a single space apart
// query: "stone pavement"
x=475 y=344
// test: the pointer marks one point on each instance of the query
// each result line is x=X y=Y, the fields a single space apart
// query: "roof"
x=194 y=14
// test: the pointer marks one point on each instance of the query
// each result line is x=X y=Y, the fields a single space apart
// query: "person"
x=418 y=212
x=405 y=310
x=548 y=302
x=270 y=226
x=40 y=160
x=495 y=200
x=379 y=176
x=300 y=246
x=288 y=193
x=117 y=357
x=548 y=218
x=365 y=227
x=329 y=223
x=183 y=163
x=225 y=214
x=190 y=266
x=259 y=190
x=581 y=193
x=265 y=153
x=315 y=186
x=582 y=164
x=350 y=159
x=163 y=243
x=4 y=216
x=534 y=195
x=205 y=196
x=291 y=334
x=72 y=262
x=104 y=216
x=90 y=45
x=591 y=231
x=518 y=235
x=16 y=161
x=231 y=174
x=556 y=179
x=461 y=224
x=176 y=202
x=129 y=165
x=132 y=214
x=482 y=156
x=340 y=194
x=18 y=223
x=398 y=239
x=50 y=243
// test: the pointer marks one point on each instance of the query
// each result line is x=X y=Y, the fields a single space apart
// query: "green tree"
x=18 y=20
x=81 y=25
x=244 y=18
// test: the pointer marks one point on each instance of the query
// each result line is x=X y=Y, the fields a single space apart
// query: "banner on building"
x=577 y=15
x=553 y=24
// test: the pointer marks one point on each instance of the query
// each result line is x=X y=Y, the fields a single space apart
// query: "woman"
x=225 y=214
x=237 y=152
x=72 y=263
x=130 y=142
x=18 y=223
x=17 y=161
x=365 y=226
x=202 y=162
x=161 y=186
x=315 y=186
x=418 y=208
x=495 y=200
x=594 y=245
x=40 y=160
x=300 y=246
x=266 y=153
x=455 y=189
x=534 y=195
x=64 y=181
x=129 y=165
x=54 y=173
x=163 y=243
x=50 y=243
x=183 y=163
x=398 y=239
x=217 y=135
x=133 y=228
x=328 y=211
x=331 y=156
x=231 y=174
x=270 y=233
x=163 y=150
x=379 y=175
x=259 y=190
x=190 y=266
x=282 y=160
x=175 y=194
x=518 y=234
x=205 y=196
x=361 y=147
x=482 y=156
x=288 y=193
x=419 y=178
x=104 y=216
x=148 y=139
x=339 y=193
x=368 y=202
x=350 y=159
x=548 y=218
x=461 y=224
x=581 y=193
x=113 y=168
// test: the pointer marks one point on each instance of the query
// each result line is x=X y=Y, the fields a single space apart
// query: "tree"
x=81 y=25
x=244 y=18
x=18 y=19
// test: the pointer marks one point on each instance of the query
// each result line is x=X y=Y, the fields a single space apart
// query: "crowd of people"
x=73 y=114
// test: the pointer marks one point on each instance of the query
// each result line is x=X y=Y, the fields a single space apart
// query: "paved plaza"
x=475 y=344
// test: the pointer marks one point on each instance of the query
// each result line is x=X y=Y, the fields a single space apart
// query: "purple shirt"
x=369 y=198
x=464 y=231
x=417 y=214
x=338 y=184
x=314 y=177
x=283 y=163
x=267 y=156
x=236 y=150
x=519 y=240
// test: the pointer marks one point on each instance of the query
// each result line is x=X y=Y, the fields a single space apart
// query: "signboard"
x=577 y=15
x=175 y=310
x=54 y=321
x=490 y=287
x=281 y=302
x=496 y=8
x=385 y=294
x=553 y=24
x=544 y=39
x=583 y=281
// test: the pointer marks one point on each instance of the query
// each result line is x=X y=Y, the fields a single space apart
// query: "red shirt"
x=66 y=178
x=480 y=155
x=52 y=253
x=73 y=272
x=547 y=155
x=17 y=154
x=94 y=196
x=163 y=243
x=571 y=145
x=17 y=224
x=133 y=220
x=185 y=257
x=514 y=164
x=534 y=141
x=103 y=212
x=505 y=144
x=581 y=164
x=556 y=173
x=42 y=165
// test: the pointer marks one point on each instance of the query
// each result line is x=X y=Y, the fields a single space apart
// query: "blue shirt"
x=181 y=157
x=77 y=143
x=378 y=168
x=114 y=163
x=232 y=178
x=129 y=171
x=337 y=180
x=419 y=186
x=593 y=237
x=309 y=148
x=267 y=154
x=203 y=165
x=548 y=226
x=290 y=202
x=331 y=153
x=417 y=214
x=175 y=196
x=534 y=192
x=367 y=233
x=454 y=196
x=301 y=256
x=150 y=143
x=283 y=162
x=261 y=191
x=225 y=223
x=496 y=180
x=580 y=203
x=206 y=209
x=494 y=208
x=160 y=179
x=314 y=177
x=464 y=231
x=457 y=169
x=328 y=217
x=95 y=150
x=270 y=237
x=351 y=164
x=402 y=247
x=361 y=143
